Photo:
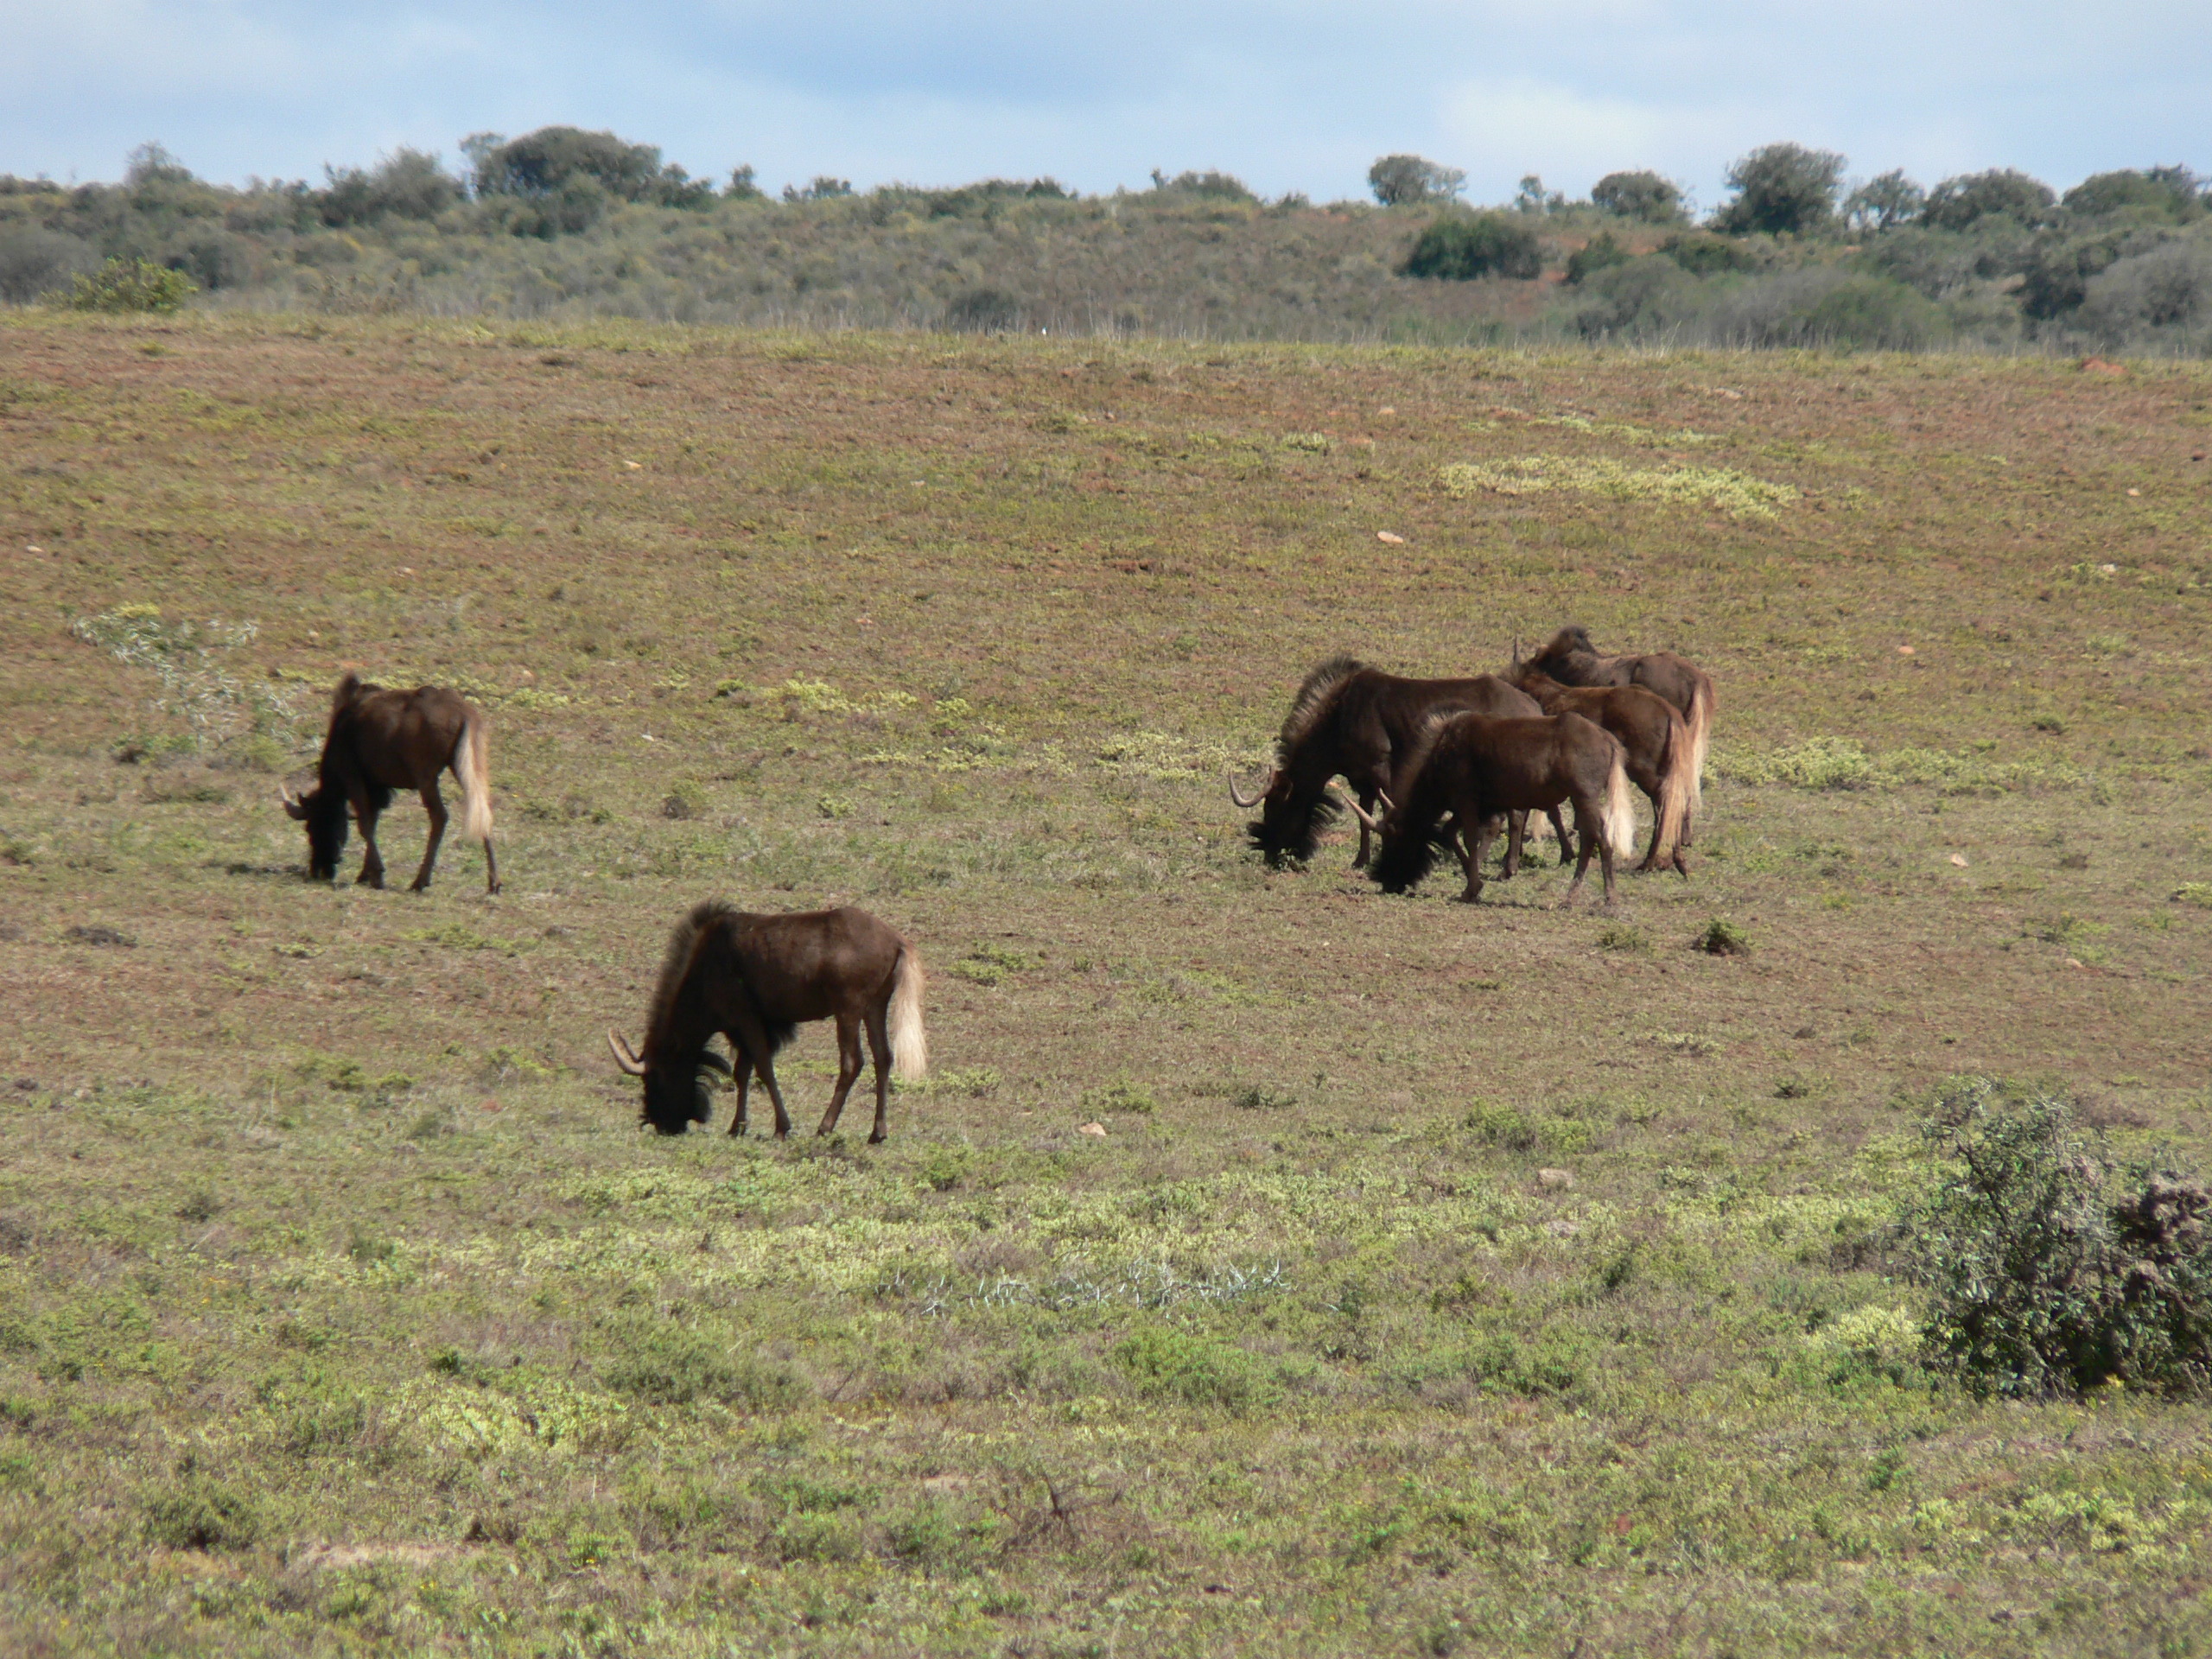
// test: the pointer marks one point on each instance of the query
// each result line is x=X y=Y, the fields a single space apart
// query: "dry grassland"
x=1505 y=1279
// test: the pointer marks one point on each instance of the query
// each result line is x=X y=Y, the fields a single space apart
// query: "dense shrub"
x=1643 y=298
x=983 y=311
x=2051 y=1266
x=1400 y=181
x=1646 y=196
x=1828 y=308
x=35 y=261
x=1599 y=252
x=2167 y=288
x=1218 y=187
x=1941 y=263
x=1956 y=203
x=131 y=285
x=1783 y=190
x=1709 y=256
x=1461 y=246
x=2055 y=271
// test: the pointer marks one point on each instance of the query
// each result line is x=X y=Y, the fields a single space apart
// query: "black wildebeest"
x=1478 y=770
x=1358 y=721
x=1571 y=659
x=382 y=740
x=757 y=979
x=1655 y=740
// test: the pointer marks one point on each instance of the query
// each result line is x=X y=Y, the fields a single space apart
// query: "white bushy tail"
x=1700 y=724
x=910 y=1044
x=1674 y=789
x=471 y=765
x=1620 y=810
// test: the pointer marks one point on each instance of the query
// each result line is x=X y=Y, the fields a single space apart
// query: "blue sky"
x=1288 y=96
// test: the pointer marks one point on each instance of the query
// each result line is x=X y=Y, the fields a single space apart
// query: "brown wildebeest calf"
x=757 y=979
x=1477 y=771
x=1358 y=721
x=1571 y=659
x=1656 y=742
x=382 y=740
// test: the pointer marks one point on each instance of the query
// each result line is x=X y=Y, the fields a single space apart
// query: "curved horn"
x=294 y=808
x=1384 y=796
x=715 y=1062
x=623 y=1055
x=1361 y=813
x=1274 y=773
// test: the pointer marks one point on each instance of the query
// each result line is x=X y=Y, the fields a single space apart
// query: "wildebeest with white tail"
x=1358 y=721
x=383 y=740
x=756 y=979
x=1472 y=771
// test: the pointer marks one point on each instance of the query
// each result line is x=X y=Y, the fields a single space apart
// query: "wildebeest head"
x=324 y=812
x=675 y=1096
x=1292 y=814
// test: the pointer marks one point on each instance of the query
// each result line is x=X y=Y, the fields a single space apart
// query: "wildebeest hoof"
x=877 y=1139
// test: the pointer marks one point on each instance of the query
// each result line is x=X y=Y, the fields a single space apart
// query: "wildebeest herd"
x=1449 y=763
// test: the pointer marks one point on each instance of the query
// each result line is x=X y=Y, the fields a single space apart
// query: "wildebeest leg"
x=1592 y=834
x=767 y=1071
x=1477 y=842
x=848 y=1067
x=1558 y=828
x=371 y=873
x=879 y=1048
x=435 y=805
x=1516 y=830
x=741 y=1074
x=1648 y=782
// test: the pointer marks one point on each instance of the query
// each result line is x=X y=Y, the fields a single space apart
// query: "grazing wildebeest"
x=380 y=742
x=1571 y=659
x=1358 y=721
x=1655 y=740
x=757 y=979
x=1477 y=770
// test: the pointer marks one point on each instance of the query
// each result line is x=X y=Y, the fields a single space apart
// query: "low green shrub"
x=1180 y=1365
x=1723 y=938
x=123 y=285
x=199 y=1514
x=2051 y=1266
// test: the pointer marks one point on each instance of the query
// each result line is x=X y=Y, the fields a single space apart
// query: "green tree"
x=1958 y=203
x=1783 y=190
x=1458 y=247
x=1402 y=180
x=1884 y=203
x=1642 y=195
x=2172 y=193
x=406 y=184
x=549 y=163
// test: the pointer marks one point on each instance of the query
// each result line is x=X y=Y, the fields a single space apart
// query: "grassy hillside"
x=1505 y=1279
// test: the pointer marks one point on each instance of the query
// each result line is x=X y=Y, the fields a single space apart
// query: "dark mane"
x=1569 y=643
x=713 y=922
x=1312 y=703
x=675 y=966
